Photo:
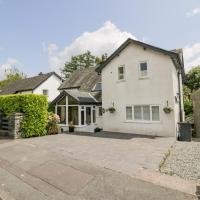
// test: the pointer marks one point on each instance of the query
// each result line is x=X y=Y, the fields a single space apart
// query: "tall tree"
x=193 y=78
x=12 y=74
x=81 y=61
x=192 y=84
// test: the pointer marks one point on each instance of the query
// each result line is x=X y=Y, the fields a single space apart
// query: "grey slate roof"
x=83 y=79
x=26 y=84
x=80 y=96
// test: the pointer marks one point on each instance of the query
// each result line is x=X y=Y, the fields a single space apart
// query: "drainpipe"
x=180 y=97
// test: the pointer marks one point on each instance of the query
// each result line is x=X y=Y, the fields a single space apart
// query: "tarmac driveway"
x=78 y=167
x=121 y=152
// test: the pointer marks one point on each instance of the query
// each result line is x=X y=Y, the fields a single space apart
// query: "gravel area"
x=183 y=160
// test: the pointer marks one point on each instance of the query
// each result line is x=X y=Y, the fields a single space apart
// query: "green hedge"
x=34 y=107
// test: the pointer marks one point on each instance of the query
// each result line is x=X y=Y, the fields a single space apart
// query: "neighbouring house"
x=196 y=111
x=46 y=84
x=79 y=102
x=139 y=82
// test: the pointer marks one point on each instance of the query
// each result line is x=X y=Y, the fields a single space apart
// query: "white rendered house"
x=139 y=81
x=46 y=84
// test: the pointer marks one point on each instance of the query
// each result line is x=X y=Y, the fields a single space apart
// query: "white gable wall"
x=160 y=87
x=51 y=84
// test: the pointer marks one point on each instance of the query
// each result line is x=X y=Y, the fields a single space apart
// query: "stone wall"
x=11 y=126
x=196 y=109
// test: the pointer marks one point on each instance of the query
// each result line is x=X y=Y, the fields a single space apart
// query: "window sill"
x=119 y=81
x=143 y=122
x=143 y=78
x=78 y=126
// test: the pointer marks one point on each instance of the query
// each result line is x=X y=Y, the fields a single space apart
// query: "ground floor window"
x=61 y=112
x=77 y=114
x=143 y=113
x=100 y=111
x=73 y=115
x=94 y=114
x=82 y=117
x=88 y=115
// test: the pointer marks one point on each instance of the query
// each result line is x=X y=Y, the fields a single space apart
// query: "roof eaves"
x=68 y=88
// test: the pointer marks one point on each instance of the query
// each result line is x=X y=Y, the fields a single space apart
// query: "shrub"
x=34 y=108
x=53 y=120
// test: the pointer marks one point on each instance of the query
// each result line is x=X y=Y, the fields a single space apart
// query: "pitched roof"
x=26 y=84
x=80 y=96
x=83 y=79
x=175 y=56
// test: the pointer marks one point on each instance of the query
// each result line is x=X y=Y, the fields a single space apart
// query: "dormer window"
x=121 y=72
x=45 y=92
x=143 y=70
x=97 y=87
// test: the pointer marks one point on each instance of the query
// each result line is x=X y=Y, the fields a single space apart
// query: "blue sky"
x=40 y=35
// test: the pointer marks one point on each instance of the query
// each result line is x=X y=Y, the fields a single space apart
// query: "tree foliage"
x=34 y=109
x=192 y=84
x=187 y=100
x=193 y=78
x=82 y=61
x=12 y=74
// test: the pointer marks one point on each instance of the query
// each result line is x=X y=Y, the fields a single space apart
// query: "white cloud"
x=193 y=12
x=10 y=63
x=192 y=56
x=106 y=39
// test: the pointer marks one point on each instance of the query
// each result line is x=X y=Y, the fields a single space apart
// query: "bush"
x=34 y=108
x=53 y=121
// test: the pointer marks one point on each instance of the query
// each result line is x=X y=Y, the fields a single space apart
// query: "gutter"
x=180 y=97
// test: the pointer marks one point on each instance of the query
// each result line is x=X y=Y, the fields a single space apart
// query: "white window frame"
x=123 y=66
x=126 y=113
x=143 y=121
x=139 y=70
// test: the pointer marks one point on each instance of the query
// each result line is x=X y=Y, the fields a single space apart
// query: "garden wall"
x=11 y=126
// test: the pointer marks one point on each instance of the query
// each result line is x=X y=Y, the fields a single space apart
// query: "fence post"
x=15 y=125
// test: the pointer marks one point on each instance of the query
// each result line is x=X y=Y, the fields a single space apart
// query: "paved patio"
x=78 y=167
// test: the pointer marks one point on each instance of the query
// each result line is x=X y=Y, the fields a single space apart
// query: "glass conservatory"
x=80 y=109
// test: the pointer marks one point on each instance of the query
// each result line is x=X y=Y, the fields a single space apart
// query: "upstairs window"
x=45 y=92
x=121 y=72
x=143 y=69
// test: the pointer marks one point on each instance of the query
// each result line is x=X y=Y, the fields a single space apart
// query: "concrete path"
x=65 y=167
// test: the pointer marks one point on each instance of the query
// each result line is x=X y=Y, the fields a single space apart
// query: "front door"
x=88 y=115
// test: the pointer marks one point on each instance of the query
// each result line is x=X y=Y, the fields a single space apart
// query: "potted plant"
x=167 y=109
x=111 y=109
x=71 y=126
x=53 y=121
